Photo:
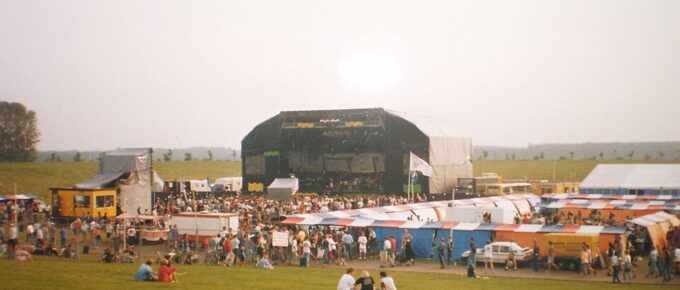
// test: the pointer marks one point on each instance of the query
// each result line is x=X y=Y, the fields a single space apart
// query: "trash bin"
x=86 y=250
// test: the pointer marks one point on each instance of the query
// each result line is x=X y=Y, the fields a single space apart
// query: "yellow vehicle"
x=568 y=246
x=495 y=189
x=72 y=203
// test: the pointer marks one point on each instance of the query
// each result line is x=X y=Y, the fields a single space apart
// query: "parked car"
x=501 y=251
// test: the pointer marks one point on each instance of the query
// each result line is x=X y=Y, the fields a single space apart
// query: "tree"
x=19 y=134
x=167 y=156
x=485 y=154
x=77 y=157
x=210 y=155
x=601 y=155
x=571 y=155
x=188 y=157
x=631 y=154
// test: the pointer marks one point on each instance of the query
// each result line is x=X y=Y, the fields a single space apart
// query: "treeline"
x=159 y=154
x=581 y=151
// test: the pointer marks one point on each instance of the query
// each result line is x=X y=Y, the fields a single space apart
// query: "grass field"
x=38 y=177
x=565 y=170
x=59 y=273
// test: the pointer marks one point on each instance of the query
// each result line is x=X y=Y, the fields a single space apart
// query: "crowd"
x=252 y=243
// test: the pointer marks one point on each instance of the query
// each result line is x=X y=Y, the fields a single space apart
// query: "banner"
x=280 y=239
x=417 y=164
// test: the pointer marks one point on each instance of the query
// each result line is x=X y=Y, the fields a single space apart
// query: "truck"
x=199 y=225
x=568 y=247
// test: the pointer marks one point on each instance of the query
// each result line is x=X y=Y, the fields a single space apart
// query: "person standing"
x=449 y=251
x=472 y=259
x=653 y=263
x=409 y=254
x=347 y=240
x=363 y=241
x=616 y=267
x=13 y=241
x=666 y=264
x=386 y=282
x=346 y=280
x=306 y=252
x=488 y=257
x=535 y=257
x=393 y=252
x=385 y=252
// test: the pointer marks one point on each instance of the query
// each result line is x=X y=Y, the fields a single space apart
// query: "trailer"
x=198 y=225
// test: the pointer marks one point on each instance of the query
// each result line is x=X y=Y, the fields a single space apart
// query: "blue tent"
x=421 y=243
x=461 y=239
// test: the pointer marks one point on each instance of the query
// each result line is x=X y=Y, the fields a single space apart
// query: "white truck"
x=201 y=225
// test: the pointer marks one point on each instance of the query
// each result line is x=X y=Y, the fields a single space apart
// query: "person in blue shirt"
x=145 y=273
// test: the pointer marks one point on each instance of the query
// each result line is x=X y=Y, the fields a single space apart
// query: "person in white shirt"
x=362 y=240
x=30 y=231
x=306 y=251
x=488 y=257
x=385 y=253
x=346 y=281
x=386 y=282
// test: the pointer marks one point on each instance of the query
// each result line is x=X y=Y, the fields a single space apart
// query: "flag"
x=417 y=164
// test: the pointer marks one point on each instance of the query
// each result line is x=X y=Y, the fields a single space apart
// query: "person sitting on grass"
x=264 y=263
x=129 y=255
x=145 y=273
x=167 y=273
x=107 y=256
x=22 y=255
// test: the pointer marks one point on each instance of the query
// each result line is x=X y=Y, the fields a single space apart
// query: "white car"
x=501 y=250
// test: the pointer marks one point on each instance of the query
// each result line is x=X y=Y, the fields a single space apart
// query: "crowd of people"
x=252 y=243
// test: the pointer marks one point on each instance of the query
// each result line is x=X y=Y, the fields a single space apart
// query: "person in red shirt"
x=166 y=273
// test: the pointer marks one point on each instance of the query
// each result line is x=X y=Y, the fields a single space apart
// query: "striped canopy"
x=614 y=204
x=456 y=226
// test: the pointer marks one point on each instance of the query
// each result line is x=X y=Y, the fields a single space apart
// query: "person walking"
x=488 y=257
x=441 y=248
x=627 y=267
x=551 y=257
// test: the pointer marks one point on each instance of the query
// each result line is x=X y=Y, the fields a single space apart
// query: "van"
x=568 y=247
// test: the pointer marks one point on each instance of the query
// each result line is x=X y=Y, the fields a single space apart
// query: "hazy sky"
x=107 y=74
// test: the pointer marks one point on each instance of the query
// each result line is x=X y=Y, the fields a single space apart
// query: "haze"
x=107 y=74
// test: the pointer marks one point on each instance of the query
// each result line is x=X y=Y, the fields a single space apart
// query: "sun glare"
x=373 y=72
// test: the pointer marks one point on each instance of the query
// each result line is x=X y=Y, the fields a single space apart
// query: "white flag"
x=417 y=164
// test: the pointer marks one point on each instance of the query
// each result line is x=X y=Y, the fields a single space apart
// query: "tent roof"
x=654 y=218
x=636 y=176
x=429 y=125
x=100 y=181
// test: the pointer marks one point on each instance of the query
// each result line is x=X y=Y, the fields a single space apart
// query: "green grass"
x=39 y=177
x=58 y=273
x=565 y=170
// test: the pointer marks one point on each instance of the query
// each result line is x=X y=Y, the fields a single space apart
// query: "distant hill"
x=178 y=154
x=581 y=151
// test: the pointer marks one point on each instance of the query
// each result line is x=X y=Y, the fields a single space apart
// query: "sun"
x=370 y=72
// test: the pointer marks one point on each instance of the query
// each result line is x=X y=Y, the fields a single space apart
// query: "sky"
x=107 y=74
